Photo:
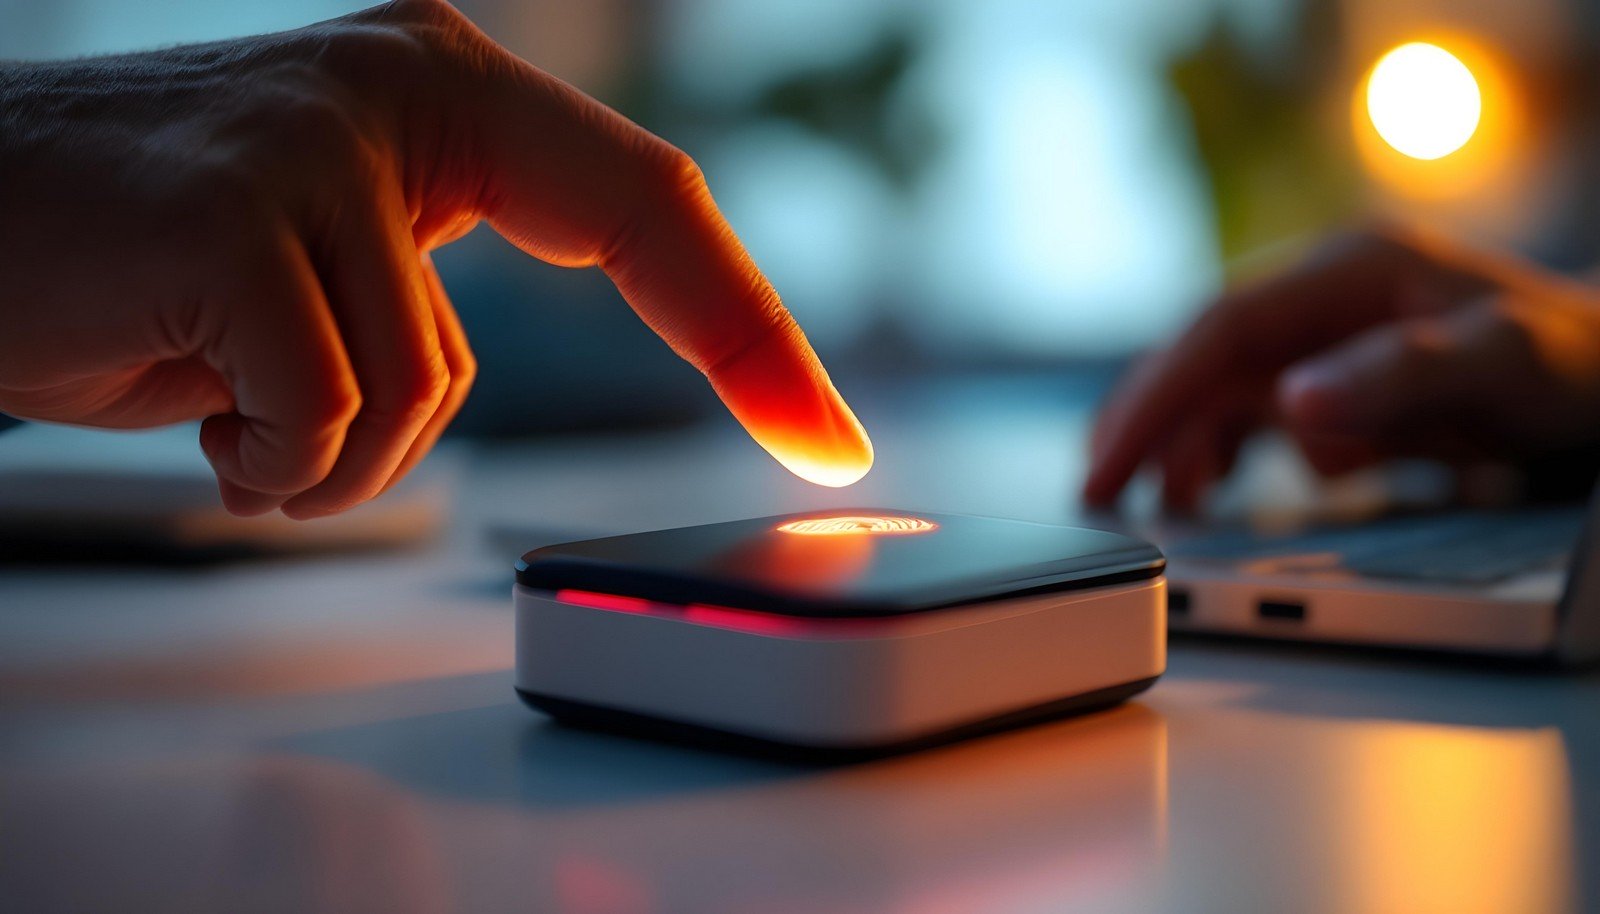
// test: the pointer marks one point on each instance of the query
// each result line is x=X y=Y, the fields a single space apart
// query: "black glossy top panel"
x=855 y=562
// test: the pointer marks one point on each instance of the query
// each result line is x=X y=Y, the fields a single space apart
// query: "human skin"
x=239 y=232
x=1386 y=343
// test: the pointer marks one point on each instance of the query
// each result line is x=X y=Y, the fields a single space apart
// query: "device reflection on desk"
x=467 y=809
x=1071 y=810
x=587 y=823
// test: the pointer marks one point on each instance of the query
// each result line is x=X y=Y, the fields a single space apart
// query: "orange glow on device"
x=852 y=525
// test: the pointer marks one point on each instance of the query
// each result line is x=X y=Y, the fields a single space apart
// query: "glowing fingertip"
x=833 y=474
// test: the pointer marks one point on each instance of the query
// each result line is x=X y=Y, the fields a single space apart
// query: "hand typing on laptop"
x=1385 y=344
x=239 y=232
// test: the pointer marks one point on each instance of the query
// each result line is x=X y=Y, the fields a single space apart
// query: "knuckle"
x=397 y=41
x=418 y=11
x=1508 y=327
x=417 y=395
x=299 y=117
x=432 y=385
x=775 y=323
x=1422 y=345
x=339 y=407
x=303 y=475
x=658 y=172
x=656 y=182
x=322 y=426
x=674 y=173
x=309 y=464
x=318 y=124
x=465 y=370
x=381 y=49
x=1222 y=331
x=311 y=113
x=1379 y=238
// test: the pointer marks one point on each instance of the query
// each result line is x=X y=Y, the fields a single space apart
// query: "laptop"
x=1519 y=583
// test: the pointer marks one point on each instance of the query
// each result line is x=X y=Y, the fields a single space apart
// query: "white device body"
x=843 y=683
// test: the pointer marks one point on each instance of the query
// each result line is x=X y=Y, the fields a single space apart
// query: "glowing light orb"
x=1423 y=101
x=856 y=526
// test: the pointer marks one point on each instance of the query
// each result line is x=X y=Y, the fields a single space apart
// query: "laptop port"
x=1177 y=602
x=1281 y=609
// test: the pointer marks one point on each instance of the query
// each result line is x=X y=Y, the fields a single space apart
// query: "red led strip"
x=596 y=600
x=743 y=620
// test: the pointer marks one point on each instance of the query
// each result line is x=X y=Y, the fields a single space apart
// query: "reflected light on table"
x=1459 y=820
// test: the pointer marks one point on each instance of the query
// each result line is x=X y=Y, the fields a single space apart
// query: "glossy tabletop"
x=340 y=734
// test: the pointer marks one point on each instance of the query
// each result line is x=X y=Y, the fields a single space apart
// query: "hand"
x=1387 y=344
x=240 y=232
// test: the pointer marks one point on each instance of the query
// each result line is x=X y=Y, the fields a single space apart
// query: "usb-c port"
x=1281 y=609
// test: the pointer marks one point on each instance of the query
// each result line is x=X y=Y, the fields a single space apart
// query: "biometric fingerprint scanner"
x=838 y=633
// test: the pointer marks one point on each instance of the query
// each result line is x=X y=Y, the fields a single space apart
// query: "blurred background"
x=980 y=185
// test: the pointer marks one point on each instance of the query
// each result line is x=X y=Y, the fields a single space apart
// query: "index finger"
x=574 y=183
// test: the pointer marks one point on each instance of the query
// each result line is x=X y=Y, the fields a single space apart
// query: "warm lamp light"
x=1423 y=100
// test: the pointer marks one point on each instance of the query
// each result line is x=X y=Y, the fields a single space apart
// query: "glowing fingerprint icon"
x=855 y=526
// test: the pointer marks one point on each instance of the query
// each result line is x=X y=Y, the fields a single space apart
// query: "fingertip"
x=242 y=502
x=1181 y=486
x=780 y=393
x=1104 y=484
x=219 y=442
x=1118 y=445
x=1096 y=494
x=830 y=450
x=299 y=508
x=263 y=461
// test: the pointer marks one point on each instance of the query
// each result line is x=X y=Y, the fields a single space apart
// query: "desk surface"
x=340 y=734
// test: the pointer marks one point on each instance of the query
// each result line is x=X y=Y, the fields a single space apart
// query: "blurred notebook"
x=69 y=494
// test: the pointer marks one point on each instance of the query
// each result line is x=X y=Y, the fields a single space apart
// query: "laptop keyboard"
x=1466 y=548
